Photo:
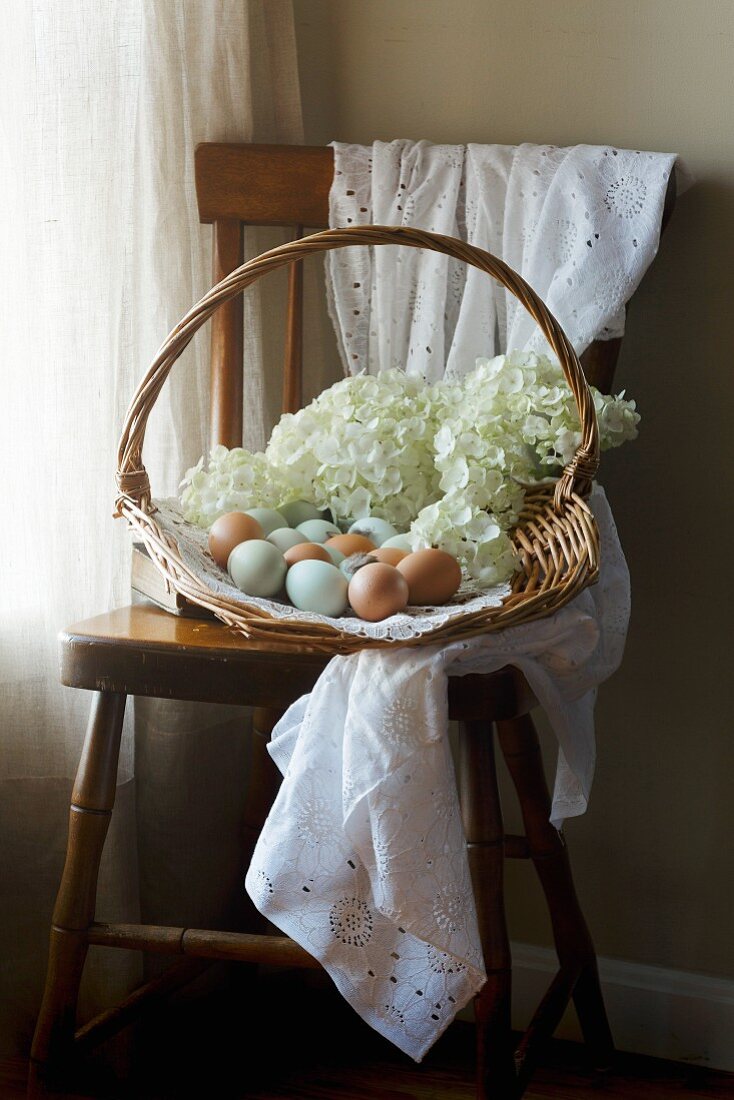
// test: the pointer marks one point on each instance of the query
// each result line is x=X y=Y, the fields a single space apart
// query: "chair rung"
x=145 y=998
x=202 y=943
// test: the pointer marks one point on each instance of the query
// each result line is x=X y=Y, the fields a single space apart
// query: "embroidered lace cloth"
x=362 y=858
x=581 y=224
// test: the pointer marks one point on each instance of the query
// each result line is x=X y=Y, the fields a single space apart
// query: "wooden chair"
x=143 y=650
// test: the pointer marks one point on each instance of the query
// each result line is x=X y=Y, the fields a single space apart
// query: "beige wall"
x=653 y=855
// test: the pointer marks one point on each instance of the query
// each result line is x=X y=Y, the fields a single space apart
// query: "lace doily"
x=411 y=623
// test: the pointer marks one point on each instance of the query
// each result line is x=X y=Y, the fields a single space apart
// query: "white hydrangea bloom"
x=447 y=460
x=233 y=481
x=363 y=447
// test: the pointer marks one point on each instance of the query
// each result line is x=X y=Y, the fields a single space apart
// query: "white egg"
x=336 y=555
x=317 y=586
x=257 y=567
x=285 y=537
x=318 y=530
x=268 y=518
x=298 y=511
x=377 y=530
x=400 y=542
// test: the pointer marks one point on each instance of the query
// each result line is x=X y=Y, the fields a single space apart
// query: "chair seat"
x=144 y=650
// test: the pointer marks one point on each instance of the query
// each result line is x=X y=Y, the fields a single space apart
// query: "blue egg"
x=268 y=518
x=285 y=537
x=257 y=567
x=318 y=530
x=336 y=555
x=317 y=586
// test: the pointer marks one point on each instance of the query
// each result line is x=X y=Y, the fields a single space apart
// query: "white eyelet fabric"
x=581 y=224
x=362 y=859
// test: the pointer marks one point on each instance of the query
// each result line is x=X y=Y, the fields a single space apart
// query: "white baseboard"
x=671 y=1014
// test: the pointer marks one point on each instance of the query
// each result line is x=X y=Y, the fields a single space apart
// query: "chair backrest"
x=288 y=186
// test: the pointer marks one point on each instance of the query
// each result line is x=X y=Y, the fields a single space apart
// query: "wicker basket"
x=556 y=536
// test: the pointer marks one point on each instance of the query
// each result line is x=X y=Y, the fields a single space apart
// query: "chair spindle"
x=226 y=371
x=293 y=359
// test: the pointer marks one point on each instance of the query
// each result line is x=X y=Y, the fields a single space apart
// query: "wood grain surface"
x=142 y=650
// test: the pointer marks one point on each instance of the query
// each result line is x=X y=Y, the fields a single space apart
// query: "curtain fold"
x=101 y=107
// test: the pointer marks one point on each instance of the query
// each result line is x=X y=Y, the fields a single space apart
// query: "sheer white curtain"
x=101 y=106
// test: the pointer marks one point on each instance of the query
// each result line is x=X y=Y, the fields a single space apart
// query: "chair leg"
x=92 y=800
x=519 y=742
x=482 y=815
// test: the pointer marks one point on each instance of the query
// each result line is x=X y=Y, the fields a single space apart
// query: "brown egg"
x=433 y=576
x=377 y=591
x=307 y=551
x=351 y=544
x=391 y=555
x=229 y=531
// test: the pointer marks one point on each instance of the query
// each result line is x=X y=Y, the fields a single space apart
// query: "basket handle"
x=132 y=479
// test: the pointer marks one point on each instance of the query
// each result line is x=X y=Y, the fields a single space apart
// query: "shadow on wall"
x=661 y=810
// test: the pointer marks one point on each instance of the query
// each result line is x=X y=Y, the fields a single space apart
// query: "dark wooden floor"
x=215 y=1045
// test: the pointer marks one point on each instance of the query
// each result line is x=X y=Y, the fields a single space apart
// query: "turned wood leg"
x=521 y=748
x=92 y=800
x=482 y=815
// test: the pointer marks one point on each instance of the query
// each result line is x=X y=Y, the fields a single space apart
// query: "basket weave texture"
x=556 y=536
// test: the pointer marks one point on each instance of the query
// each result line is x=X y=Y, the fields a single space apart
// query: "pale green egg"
x=298 y=511
x=318 y=530
x=317 y=586
x=257 y=567
x=400 y=542
x=336 y=555
x=285 y=537
x=268 y=518
x=377 y=530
